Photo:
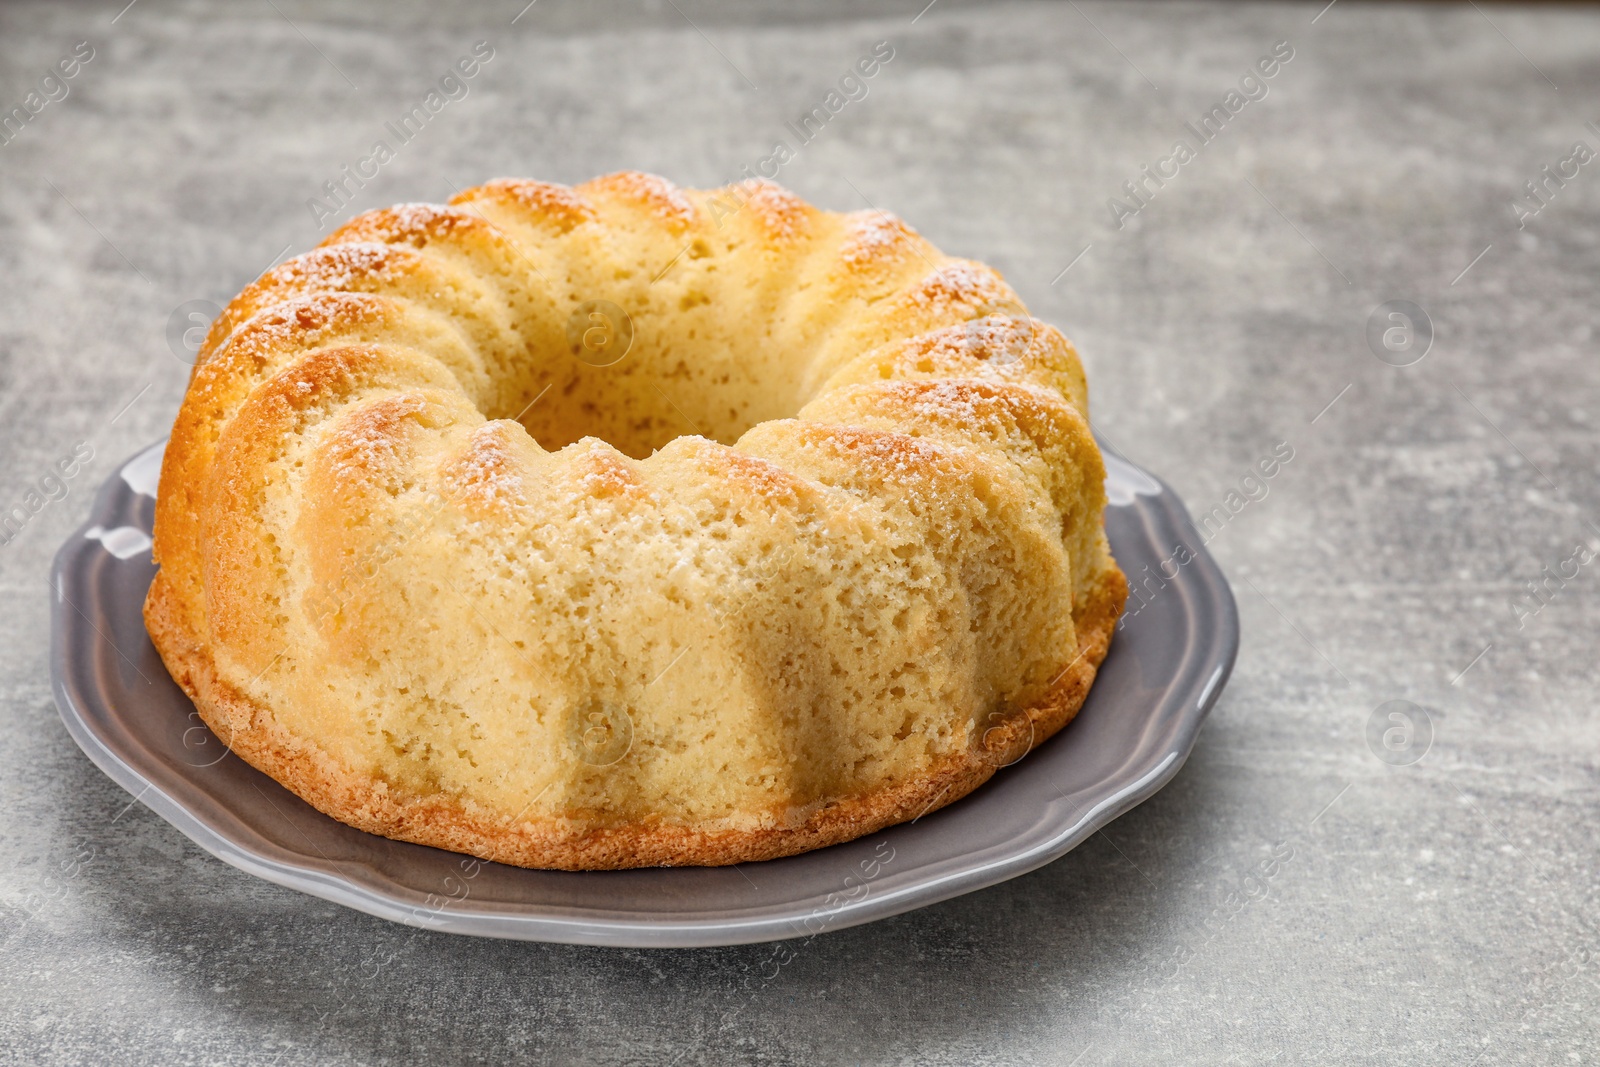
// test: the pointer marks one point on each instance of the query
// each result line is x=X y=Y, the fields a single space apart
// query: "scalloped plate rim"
x=1138 y=489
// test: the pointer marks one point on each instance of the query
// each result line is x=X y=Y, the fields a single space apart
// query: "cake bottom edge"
x=250 y=731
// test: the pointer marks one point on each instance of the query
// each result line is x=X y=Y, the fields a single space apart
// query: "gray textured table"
x=1432 y=910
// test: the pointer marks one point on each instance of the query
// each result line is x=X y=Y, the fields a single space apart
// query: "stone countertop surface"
x=1430 y=541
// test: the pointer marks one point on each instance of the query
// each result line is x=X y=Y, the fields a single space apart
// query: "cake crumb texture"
x=819 y=550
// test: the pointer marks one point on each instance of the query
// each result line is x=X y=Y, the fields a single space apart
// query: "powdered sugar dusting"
x=488 y=469
x=413 y=223
x=896 y=453
x=971 y=401
x=328 y=268
x=605 y=472
x=367 y=445
x=992 y=333
x=664 y=198
x=965 y=401
x=874 y=235
x=778 y=211
x=301 y=321
x=335 y=267
x=767 y=479
x=418 y=214
x=560 y=204
x=961 y=284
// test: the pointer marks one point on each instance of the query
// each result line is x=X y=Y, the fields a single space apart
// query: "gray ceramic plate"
x=1167 y=665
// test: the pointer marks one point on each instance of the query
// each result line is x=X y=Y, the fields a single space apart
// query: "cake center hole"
x=647 y=363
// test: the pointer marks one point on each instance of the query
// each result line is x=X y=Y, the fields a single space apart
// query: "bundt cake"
x=628 y=525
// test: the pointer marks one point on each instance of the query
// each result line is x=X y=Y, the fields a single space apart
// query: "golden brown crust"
x=885 y=542
x=249 y=730
x=556 y=206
